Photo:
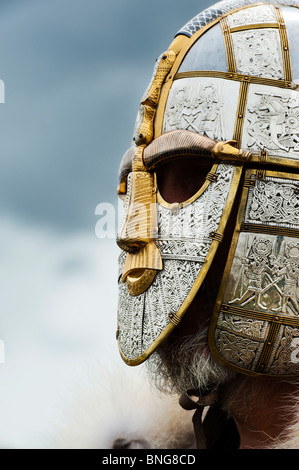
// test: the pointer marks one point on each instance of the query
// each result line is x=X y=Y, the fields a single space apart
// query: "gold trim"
x=122 y=188
x=238 y=77
x=238 y=131
x=216 y=236
x=186 y=304
x=138 y=282
x=180 y=42
x=186 y=46
x=145 y=131
x=270 y=230
x=280 y=161
x=263 y=156
x=229 y=48
x=260 y=175
x=137 y=162
x=285 y=48
x=140 y=226
x=249 y=180
x=262 y=316
x=230 y=150
x=174 y=318
x=151 y=97
x=245 y=27
x=211 y=176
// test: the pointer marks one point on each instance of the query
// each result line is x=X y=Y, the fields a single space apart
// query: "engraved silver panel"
x=275 y=202
x=253 y=15
x=203 y=105
x=272 y=121
x=258 y=53
x=291 y=19
x=235 y=350
x=208 y=53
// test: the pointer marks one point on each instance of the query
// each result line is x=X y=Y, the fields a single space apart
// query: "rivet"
x=276 y=318
x=240 y=116
x=175 y=208
x=269 y=343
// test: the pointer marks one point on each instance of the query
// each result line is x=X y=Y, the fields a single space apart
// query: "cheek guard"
x=224 y=93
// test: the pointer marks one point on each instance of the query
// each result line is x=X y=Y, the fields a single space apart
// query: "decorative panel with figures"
x=258 y=307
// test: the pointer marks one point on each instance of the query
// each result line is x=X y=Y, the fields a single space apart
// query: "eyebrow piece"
x=180 y=143
x=176 y=143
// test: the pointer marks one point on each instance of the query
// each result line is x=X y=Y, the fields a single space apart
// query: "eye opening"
x=183 y=179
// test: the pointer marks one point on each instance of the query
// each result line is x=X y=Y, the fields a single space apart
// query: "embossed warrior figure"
x=257 y=264
x=208 y=269
x=291 y=273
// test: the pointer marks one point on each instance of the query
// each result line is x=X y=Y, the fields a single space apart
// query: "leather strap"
x=216 y=430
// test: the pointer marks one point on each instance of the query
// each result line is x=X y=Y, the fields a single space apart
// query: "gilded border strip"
x=230 y=56
x=237 y=77
x=258 y=315
x=285 y=49
x=243 y=93
x=269 y=230
x=245 y=27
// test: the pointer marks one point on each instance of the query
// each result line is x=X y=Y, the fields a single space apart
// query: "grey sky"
x=74 y=71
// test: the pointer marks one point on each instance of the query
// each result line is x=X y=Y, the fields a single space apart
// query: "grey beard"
x=186 y=365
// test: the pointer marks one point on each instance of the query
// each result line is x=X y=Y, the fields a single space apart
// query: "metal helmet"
x=225 y=92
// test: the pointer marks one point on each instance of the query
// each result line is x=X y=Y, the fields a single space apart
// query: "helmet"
x=225 y=94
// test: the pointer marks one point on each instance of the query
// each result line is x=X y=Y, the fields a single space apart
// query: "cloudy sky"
x=74 y=71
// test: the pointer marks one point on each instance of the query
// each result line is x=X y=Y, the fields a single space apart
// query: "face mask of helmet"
x=224 y=96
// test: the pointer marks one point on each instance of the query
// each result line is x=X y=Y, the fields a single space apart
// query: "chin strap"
x=215 y=430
